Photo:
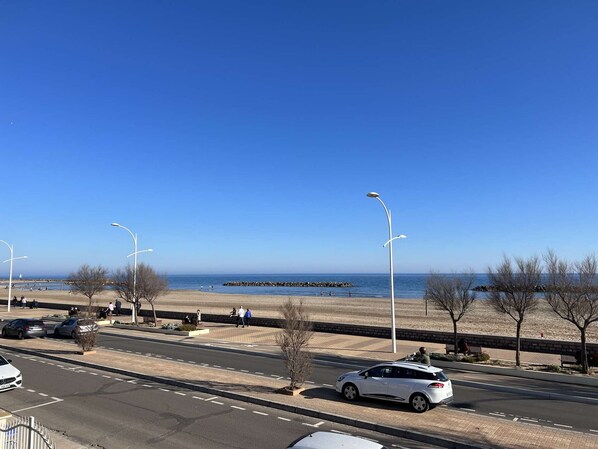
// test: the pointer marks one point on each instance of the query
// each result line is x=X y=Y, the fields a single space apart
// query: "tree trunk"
x=585 y=366
x=455 y=339
x=518 y=345
x=154 y=312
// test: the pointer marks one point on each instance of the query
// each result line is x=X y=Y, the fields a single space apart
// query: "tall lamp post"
x=392 y=282
x=134 y=253
x=11 y=248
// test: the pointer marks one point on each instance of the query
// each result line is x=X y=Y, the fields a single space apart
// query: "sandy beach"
x=410 y=313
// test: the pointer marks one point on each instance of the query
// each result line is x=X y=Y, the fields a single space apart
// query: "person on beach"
x=241 y=316
x=247 y=316
x=198 y=317
x=117 y=306
x=110 y=308
x=233 y=315
x=24 y=302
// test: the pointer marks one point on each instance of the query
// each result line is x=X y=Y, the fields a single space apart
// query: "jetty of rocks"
x=288 y=284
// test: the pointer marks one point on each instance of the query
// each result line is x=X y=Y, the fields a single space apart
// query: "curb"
x=339 y=419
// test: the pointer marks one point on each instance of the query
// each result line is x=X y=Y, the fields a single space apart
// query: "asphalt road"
x=98 y=408
x=491 y=395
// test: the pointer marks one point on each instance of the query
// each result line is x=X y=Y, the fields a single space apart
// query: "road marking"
x=309 y=382
x=107 y=377
x=217 y=366
x=467 y=409
x=197 y=397
x=31 y=391
x=515 y=419
x=164 y=389
x=260 y=413
x=216 y=402
x=592 y=430
x=313 y=425
x=39 y=405
x=94 y=374
x=132 y=382
x=237 y=407
x=180 y=360
x=46 y=395
x=244 y=371
x=137 y=352
x=190 y=361
x=179 y=393
x=119 y=379
x=502 y=415
x=529 y=420
x=283 y=419
x=147 y=386
x=257 y=372
x=328 y=385
x=229 y=368
x=81 y=371
x=209 y=399
x=563 y=425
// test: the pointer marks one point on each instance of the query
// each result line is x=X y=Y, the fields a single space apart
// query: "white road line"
x=59 y=366
x=260 y=413
x=244 y=371
x=209 y=399
x=216 y=402
x=119 y=379
x=563 y=425
x=502 y=415
x=179 y=393
x=197 y=397
x=529 y=420
x=180 y=360
x=94 y=374
x=592 y=430
x=190 y=361
x=110 y=348
x=467 y=409
x=257 y=372
x=217 y=366
x=274 y=375
x=237 y=407
x=147 y=386
x=37 y=406
x=309 y=382
x=229 y=368
x=31 y=391
x=163 y=389
x=313 y=425
x=50 y=363
x=283 y=419
x=41 y=361
x=81 y=371
x=107 y=377
x=138 y=353
x=515 y=419
x=328 y=385
x=132 y=381
x=57 y=399
x=46 y=395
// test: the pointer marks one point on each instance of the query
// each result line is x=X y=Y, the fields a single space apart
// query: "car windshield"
x=440 y=376
x=3 y=361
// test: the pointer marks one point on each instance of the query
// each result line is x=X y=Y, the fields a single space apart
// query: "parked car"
x=24 y=327
x=419 y=385
x=331 y=440
x=70 y=327
x=10 y=377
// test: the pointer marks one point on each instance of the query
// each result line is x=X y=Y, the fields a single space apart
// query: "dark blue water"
x=364 y=285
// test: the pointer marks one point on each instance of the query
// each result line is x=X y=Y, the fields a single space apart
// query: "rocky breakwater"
x=288 y=284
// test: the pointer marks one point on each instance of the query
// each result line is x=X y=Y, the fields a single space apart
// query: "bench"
x=473 y=350
x=568 y=360
x=150 y=319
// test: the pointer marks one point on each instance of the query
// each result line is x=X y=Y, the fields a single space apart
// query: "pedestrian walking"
x=241 y=316
x=110 y=309
x=198 y=318
x=233 y=315
x=117 y=306
x=248 y=316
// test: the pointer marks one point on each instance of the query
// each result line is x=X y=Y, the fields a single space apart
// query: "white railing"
x=24 y=433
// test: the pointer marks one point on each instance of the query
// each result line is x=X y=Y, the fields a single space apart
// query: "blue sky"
x=242 y=137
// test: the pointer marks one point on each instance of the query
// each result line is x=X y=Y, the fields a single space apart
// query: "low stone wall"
x=485 y=341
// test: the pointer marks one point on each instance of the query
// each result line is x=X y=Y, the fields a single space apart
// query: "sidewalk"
x=450 y=427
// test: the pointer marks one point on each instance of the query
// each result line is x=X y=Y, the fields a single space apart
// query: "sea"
x=364 y=285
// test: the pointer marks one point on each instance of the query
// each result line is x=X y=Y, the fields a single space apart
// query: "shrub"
x=553 y=368
x=483 y=357
x=469 y=359
x=86 y=340
x=186 y=327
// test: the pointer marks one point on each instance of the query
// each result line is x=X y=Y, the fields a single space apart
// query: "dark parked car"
x=70 y=327
x=24 y=327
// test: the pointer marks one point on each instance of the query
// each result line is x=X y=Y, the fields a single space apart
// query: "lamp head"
x=114 y=224
x=402 y=236
x=373 y=195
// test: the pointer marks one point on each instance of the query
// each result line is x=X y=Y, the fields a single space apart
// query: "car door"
x=402 y=383
x=12 y=327
x=375 y=383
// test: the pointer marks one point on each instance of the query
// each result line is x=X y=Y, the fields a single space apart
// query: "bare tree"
x=123 y=285
x=151 y=285
x=293 y=340
x=572 y=293
x=88 y=281
x=452 y=294
x=513 y=291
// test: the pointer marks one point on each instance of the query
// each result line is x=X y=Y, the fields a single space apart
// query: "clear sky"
x=243 y=136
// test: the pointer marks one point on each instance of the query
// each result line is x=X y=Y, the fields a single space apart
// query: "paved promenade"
x=443 y=425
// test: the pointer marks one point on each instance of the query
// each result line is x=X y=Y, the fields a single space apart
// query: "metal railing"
x=24 y=433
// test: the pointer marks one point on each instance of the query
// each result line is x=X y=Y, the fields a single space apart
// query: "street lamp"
x=11 y=248
x=134 y=253
x=392 y=282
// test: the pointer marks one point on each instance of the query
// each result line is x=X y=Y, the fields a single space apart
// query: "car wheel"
x=56 y=334
x=419 y=403
x=20 y=335
x=350 y=392
x=3 y=333
x=73 y=334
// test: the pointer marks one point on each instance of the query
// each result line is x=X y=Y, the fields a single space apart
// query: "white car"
x=10 y=377
x=331 y=440
x=419 y=385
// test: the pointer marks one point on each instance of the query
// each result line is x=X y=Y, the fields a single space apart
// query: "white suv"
x=419 y=385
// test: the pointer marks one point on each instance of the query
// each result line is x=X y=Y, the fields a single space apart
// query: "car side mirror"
x=9 y=360
x=366 y=374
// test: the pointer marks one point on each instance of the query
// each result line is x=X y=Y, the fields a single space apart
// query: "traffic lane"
x=539 y=386
x=115 y=411
x=526 y=408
